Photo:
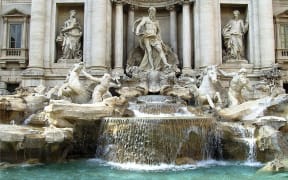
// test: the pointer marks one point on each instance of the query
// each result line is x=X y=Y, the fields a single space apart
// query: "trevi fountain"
x=155 y=119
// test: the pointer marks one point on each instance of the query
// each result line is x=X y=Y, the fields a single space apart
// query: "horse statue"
x=208 y=91
x=73 y=88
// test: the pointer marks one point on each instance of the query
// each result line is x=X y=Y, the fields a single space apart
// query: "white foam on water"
x=143 y=167
x=184 y=112
x=172 y=167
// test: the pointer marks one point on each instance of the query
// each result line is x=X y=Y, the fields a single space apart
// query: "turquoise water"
x=95 y=169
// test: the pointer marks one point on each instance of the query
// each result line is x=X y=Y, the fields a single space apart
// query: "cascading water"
x=252 y=144
x=247 y=135
x=162 y=133
x=155 y=140
x=158 y=106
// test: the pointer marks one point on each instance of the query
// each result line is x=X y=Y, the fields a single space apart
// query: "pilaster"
x=35 y=71
x=37 y=34
x=266 y=33
x=207 y=33
x=98 y=36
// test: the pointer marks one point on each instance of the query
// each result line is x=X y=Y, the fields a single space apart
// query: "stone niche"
x=226 y=17
x=131 y=41
x=63 y=11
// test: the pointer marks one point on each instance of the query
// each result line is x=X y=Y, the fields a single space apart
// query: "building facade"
x=36 y=40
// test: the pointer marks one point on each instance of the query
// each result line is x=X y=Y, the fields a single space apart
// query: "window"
x=14 y=39
x=283 y=35
x=15 y=35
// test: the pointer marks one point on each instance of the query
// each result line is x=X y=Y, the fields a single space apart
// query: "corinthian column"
x=207 y=35
x=130 y=34
x=173 y=28
x=118 y=48
x=186 y=34
x=37 y=34
x=266 y=29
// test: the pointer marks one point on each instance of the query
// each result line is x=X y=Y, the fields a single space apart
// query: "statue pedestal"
x=68 y=61
x=238 y=61
x=235 y=65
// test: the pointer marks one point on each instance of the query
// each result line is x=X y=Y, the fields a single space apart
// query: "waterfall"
x=153 y=140
x=252 y=144
x=158 y=106
x=247 y=135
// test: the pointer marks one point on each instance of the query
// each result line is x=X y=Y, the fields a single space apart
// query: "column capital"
x=118 y=2
x=171 y=8
x=186 y=2
x=132 y=7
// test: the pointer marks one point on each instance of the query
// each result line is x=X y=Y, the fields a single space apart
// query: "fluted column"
x=118 y=45
x=130 y=34
x=207 y=35
x=266 y=29
x=173 y=28
x=37 y=34
x=186 y=34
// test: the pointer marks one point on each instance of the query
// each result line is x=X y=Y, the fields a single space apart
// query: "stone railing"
x=282 y=55
x=18 y=55
x=15 y=52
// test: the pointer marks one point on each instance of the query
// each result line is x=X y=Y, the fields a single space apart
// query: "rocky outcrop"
x=21 y=143
x=66 y=114
x=235 y=139
x=277 y=165
x=271 y=137
x=15 y=108
x=251 y=110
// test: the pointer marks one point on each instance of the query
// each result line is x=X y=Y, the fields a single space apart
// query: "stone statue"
x=233 y=34
x=208 y=91
x=72 y=86
x=101 y=90
x=148 y=31
x=238 y=82
x=70 y=36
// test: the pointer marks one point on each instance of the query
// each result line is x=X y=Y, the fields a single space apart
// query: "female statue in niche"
x=233 y=34
x=70 y=36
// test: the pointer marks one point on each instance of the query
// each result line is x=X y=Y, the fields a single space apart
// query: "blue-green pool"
x=96 y=169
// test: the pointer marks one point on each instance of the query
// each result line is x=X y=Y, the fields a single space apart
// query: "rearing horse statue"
x=207 y=91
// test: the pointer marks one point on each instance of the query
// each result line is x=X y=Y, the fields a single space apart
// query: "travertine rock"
x=19 y=143
x=277 y=165
x=66 y=114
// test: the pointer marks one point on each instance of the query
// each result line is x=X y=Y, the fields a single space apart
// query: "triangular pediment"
x=14 y=12
x=282 y=14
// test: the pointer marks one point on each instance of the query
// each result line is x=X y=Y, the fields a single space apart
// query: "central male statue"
x=148 y=31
